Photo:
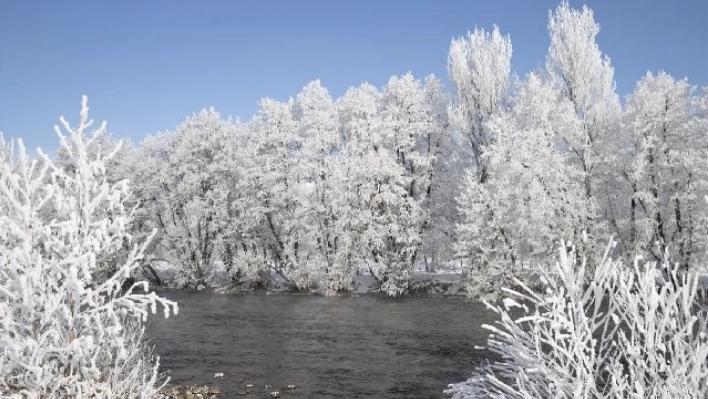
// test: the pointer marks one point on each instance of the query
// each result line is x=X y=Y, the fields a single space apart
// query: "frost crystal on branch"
x=629 y=333
x=70 y=321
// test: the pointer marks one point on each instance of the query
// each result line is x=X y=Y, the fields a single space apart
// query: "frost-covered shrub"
x=635 y=331
x=68 y=329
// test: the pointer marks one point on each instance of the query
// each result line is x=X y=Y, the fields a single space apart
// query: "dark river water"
x=341 y=347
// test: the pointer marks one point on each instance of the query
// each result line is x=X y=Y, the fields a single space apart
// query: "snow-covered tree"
x=66 y=330
x=442 y=184
x=667 y=167
x=540 y=152
x=479 y=66
x=579 y=69
x=584 y=78
x=525 y=207
x=272 y=211
x=117 y=167
x=630 y=333
x=362 y=142
x=321 y=185
x=359 y=121
x=186 y=182
x=412 y=128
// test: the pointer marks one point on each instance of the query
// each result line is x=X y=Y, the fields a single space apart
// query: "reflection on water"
x=348 y=347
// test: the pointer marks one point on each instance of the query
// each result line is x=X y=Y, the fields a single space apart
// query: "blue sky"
x=147 y=65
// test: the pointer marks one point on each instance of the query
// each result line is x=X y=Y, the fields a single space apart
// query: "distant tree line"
x=488 y=179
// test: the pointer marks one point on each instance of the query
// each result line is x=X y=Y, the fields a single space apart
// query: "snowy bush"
x=68 y=329
x=634 y=331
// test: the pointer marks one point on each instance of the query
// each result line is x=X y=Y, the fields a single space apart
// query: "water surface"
x=342 y=347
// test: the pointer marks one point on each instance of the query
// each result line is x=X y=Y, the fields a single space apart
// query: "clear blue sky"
x=146 y=65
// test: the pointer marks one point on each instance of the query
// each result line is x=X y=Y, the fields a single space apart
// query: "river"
x=336 y=347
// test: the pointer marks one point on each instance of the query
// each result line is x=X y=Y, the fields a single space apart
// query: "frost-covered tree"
x=117 y=167
x=666 y=167
x=541 y=149
x=362 y=142
x=584 y=78
x=479 y=66
x=359 y=121
x=629 y=333
x=273 y=213
x=412 y=127
x=579 y=69
x=118 y=158
x=186 y=182
x=65 y=331
x=441 y=145
x=525 y=207
x=321 y=186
